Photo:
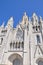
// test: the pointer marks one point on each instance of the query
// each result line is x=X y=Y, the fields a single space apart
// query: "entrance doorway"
x=17 y=62
x=16 y=59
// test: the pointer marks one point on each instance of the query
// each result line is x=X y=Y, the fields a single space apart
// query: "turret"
x=37 y=28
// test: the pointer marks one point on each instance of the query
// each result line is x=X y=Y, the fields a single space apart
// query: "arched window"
x=17 y=62
x=38 y=39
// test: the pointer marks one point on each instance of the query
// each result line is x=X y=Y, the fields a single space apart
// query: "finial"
x=34 y=14
x=25 y=13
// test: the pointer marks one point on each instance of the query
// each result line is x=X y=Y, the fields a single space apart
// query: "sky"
x=16 y=8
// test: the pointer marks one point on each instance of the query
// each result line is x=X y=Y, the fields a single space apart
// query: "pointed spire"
x=10 y=22
x=25 y=14
x=40 y=19
x=34 y=14
x=35 y=19
x=25 y=19
x=2 y=25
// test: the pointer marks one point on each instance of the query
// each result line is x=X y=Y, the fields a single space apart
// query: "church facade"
x=22 y=45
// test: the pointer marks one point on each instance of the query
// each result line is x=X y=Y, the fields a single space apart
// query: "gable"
x=38 y=51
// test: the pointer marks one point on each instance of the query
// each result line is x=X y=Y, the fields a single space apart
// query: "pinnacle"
x=25 y=13
x=2 y=24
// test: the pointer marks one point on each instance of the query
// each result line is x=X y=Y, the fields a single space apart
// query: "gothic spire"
x=10 y=22
x=2 y=25
x=35 y=19
x=25 y=18
x=41 y=19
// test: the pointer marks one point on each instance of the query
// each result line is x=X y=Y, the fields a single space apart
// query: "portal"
x=17 y=62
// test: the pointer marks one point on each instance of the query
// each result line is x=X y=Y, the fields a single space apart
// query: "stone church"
x=22 y=45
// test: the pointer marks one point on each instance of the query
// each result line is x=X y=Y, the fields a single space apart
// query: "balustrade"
x=16 y=46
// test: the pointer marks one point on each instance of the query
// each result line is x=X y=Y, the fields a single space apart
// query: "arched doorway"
x=17 y=62
x=40 y=62
x=16 y=59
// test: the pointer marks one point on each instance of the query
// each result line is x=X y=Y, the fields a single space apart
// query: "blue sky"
x=16 y=8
